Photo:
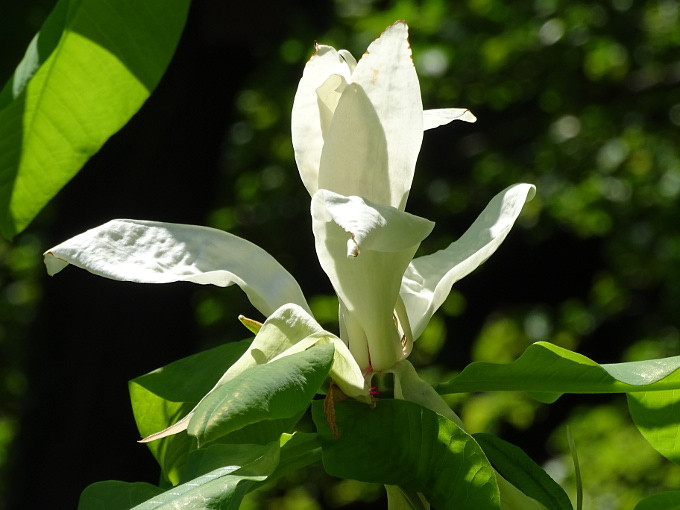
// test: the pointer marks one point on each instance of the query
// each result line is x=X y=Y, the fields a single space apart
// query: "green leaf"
x=278 y=389
x=87 y=71
x=521 y=471
x=165 y=395
x=656 y=416
x=115 y=495
x=217 y=477
x=547 y=371
x=401 y=443
x=663 y=501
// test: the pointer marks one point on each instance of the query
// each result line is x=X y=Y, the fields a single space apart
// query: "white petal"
x=153 y=252
x=428 y=280
x=305 y=120
x=441 y=116
x=388 y=77
x=367 y=282
x=354 y=158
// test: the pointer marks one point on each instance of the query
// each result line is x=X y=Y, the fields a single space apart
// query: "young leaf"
x=663 y=501
x=401 y=443
x=656 y=416
x=521 y=471
x=278 y=389
x=87 y=71
x=165 y=395
x=547 y=371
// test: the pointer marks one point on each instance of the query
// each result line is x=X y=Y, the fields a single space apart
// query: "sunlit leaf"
x=547 y=371
x=278 y=389
x=655 y=414
x=88 y=70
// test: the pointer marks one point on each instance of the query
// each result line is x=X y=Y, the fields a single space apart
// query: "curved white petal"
x=441 y=116
x=364 y=249
x=305 y=118
x=153 y=252
x=388 y=77
x=428 y=280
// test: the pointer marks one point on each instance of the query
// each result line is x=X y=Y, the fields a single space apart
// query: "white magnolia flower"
x=357 y=130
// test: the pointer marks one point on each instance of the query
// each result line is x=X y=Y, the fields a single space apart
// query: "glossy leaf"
x=401 y=443
x=521 y=471
x=165 y=395
x=278 y=389
x=547 y=371
x=87 y=71
x=655 y=414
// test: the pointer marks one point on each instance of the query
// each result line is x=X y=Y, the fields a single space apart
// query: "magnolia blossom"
x=357 y=128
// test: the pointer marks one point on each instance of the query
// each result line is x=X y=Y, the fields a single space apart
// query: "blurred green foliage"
x=581 y=98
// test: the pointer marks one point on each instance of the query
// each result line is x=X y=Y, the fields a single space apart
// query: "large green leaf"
x=521 y=471
x=275 y=390
x=87 y=71
x=165 y=395
x=657 y=417
x=547 y=371
x=663 y=501
x=401 y=443
x=221 y=476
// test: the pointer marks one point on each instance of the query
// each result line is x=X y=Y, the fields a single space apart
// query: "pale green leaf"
x=87 y=71
x=547 y=371
x=657 y=416
x=279 y=389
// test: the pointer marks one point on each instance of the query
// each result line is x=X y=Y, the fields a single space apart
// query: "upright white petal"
x=354 y=159
x=428 y=280
x=388 y=77
x=153 y=252
x=364 y=249
x=305 y=119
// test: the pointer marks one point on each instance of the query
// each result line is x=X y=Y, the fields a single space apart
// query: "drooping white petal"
x=442 y=116
x=428 y=280
x=305 y=120
x=153 y=252
x=388 y=77
x=364 y=249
